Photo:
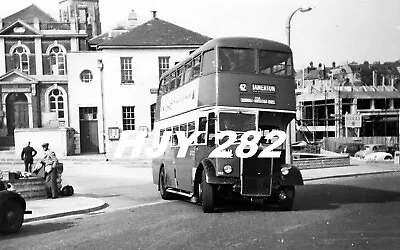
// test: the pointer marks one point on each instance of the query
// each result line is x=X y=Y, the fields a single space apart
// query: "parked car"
x=350 y=148
x=379 y=156
x=369 y=149
x=12 y=209
x=392 y=149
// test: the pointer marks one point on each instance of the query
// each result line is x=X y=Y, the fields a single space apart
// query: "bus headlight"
x=285 y=170
x=228 y=169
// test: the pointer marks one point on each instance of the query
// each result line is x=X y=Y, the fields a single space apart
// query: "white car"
x=379 y=156
x=369 y=149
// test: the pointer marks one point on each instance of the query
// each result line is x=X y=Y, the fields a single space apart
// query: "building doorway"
x=88 y=126
x=17 y=112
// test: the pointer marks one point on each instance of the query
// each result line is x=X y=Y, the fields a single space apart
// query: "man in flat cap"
x=49 y=162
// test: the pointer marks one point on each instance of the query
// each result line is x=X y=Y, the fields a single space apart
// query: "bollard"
x=397 y=157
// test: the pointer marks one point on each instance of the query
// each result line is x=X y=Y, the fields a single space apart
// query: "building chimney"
x=154 y=14
x=132 y=19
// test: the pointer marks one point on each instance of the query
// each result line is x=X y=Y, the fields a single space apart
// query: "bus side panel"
x=184 y=170
x=156 y=164
x=166 y=161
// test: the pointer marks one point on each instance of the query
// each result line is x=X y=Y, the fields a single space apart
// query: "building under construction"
x=352 y=100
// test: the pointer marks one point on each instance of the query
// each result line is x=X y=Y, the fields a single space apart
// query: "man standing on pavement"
x=49 y=163
x=27 y=155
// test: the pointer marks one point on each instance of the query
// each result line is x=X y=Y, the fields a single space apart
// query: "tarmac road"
x=340 y=213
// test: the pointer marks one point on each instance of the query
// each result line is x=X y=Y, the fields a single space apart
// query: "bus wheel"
x=286 y=198
x=11 y=217
x=206 y=194
x=161 y=186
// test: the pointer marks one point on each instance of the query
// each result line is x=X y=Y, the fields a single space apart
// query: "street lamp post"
x=302 y=9
x=292 y=127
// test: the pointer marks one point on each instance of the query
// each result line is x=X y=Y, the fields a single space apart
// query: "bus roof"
x=235 y=42
x=244 y=42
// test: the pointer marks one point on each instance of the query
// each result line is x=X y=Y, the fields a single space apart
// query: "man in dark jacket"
x=27 y=155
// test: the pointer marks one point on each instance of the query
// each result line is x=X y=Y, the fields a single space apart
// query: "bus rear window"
x=275 y=63
x=237 y=60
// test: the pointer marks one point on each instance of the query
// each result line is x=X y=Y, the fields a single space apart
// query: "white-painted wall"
x=82 y=94
x=145 y=76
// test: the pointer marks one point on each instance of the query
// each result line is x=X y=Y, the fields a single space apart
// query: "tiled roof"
x=385 y=68
x=157 y=32
x=28 y=14
x=105 y=37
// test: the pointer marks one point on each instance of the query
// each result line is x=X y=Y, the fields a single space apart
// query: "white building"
x=113 y=91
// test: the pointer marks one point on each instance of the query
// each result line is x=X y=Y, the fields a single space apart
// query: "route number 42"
x=249 y=142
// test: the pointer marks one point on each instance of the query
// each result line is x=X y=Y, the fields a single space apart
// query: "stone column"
x=2 y=57
x=74 y=44
x=38 y=56
x=3 y=107
x=30 y=110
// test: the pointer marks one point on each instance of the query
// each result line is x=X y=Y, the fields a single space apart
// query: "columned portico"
x=17 y=110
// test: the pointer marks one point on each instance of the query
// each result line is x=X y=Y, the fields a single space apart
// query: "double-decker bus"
x=240 y=84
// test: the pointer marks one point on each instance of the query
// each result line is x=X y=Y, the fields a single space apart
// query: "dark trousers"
x=51 y=184
x=28 y=166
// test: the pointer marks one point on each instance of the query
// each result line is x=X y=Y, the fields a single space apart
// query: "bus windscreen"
x=237 y=121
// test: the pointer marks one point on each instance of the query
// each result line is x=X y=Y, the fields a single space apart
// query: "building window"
x=128 y=118
x=88 y=113
x=152 y=115
x=57 y=61
x=21 y=58
x=163 y=65
x=56 y=103
x=126 y=70
x=363 y=103
x=86 y=76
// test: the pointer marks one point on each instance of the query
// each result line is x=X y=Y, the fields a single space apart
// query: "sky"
x=334 y=30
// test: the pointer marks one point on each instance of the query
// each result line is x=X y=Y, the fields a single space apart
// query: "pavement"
x=79 y=204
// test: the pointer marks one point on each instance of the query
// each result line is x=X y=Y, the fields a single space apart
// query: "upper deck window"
x=209 y=62
x=170 y=81
x=179 y=77
x=275 y=63
x=188 y=71
x=237 y=60
x=196 y=67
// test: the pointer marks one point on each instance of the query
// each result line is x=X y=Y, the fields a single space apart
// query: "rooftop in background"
x=28 y=15
x=156 y=32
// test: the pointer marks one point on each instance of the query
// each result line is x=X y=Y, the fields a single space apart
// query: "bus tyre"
x=287 y=203
x=162 y=188
x=206 y=194
x=11 y=217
